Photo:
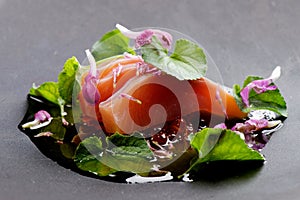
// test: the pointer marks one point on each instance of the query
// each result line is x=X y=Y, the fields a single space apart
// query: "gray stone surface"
x=243 y=37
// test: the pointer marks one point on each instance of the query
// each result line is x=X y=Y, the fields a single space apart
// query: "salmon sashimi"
x=109 y=72
x=132 y=101
x=153 y=100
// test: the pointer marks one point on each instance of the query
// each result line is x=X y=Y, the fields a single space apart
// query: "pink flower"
x=253 y=133
x=145 y=37
x=251 y=125
x=89 y=89
x=260 y=86
x=41 y=118
x=222 y=126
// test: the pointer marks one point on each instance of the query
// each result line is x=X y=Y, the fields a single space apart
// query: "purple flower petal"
x=222 y=126
x=250 y=125
x=42 y=116
x=260 y=86
x=89 y=89
x=258 y=123
x=145 y=37
x=245 y=95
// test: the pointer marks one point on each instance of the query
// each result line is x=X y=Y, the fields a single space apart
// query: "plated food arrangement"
x=141 y=109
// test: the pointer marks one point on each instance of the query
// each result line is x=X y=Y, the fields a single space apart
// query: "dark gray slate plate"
x=243 y=37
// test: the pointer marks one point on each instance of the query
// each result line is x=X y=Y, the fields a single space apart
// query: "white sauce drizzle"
x=139 y=179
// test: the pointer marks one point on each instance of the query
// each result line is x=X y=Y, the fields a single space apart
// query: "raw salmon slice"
x=131 y=102
x=154 y=100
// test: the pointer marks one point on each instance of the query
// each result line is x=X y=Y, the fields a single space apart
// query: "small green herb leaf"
x=66 y=79
x=88 y=155
x=59 y=93
x=219 y=145
x=269 y=100
x=123 y=153
x=56 y=128
x=134 y=145
x=111 y=44
x=187 y=62
x=47 y=90
x=129 y=153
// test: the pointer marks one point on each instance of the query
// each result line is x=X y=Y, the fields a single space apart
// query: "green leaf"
x=123 y=153
x=219 y=145
x=269 y=100
x=187 y=62
x=88 y=155
x=134 y=145
x=56 y=127
x=111 y=44
x=67 y=150
x=66 y=79
x=59 y=92
x=47 y=90
x=205 y=141
x=129 y=153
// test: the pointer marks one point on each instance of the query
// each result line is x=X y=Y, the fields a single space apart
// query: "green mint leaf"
x=123 y=153
x=269 y=100
x=134 y=145
x=129 y=153
x=111 y=44
x=47 y=90
x=88 y=155
x=61 y=92
x=66 y=79
x=56 y=127
x=187 y=62
x=214 y=144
